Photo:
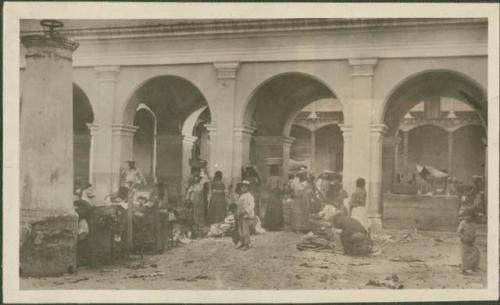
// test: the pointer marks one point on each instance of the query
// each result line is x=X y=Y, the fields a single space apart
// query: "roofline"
x=249 y=26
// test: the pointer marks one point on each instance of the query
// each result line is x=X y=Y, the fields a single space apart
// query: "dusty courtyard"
x=427 y=260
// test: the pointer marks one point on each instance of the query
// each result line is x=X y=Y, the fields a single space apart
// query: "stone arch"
x=144 y=143
x=476 y=96
x=83 y=115
x=190 y=122
x=127 y=109
x=248 y=107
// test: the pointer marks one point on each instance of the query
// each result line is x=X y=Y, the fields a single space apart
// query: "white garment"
x=246 y=203
x=359 y=213
x=83 y=229
x=328 y=212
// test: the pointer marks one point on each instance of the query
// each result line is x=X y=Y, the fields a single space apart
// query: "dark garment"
x=470 y=253
x=244 y=223
x=354 y=237
x=217 y=206
x=300 y=209
x=273 y=219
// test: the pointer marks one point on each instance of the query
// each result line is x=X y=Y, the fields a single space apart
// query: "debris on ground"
x=140 y=265
x=313 y=266
x=192 y=279
x=408 y=236
x=386 y=238
x=439 y=240
x=391 y=282
x=405 y=259
x=137 y=276
x=315 y=243
x=72 y=281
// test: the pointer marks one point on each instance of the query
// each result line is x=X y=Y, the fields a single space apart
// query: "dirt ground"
x=431 y=260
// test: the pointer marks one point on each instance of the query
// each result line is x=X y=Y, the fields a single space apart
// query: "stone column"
x=170 y=162
x=241 y=153
x=271 y=147
x=212 y=134
x=93 y=130
x=347 y=175
x=187 y=148
x=313 y=151
x=375 y=206
x=450 y=152
x=396 y=158
x=123 y=150
x=361 y=105
x=287 y=144
x=223 y=144
x=103 y=155
x=405 y=155
x=48 y=223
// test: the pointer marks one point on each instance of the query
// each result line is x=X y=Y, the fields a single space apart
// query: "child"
x=467 y=233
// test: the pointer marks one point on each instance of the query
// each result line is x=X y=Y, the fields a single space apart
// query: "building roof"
x=97 y=28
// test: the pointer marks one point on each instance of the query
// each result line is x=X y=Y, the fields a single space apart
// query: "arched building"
x=366 y=97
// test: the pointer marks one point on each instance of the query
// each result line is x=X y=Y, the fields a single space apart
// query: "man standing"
x=131 y=176
x=246 y=214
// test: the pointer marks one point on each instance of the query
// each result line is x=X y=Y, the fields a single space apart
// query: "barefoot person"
x=467 y=233
x=246 y=214
x=357 y=204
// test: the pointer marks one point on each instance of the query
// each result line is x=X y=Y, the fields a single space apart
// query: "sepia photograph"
x=281 y=154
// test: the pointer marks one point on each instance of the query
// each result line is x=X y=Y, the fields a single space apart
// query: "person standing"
x=273 y=218
x=251 y=174
x=357 y=209
x=196 y=199
x=339 y=192
x=131 y=177
x=217 y=205
x=301 y=203
x=246 y=214
x=467 y=233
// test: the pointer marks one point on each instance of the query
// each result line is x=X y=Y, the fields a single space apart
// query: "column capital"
x=378 y=129
x=346 y=129
x=226 y=70
x=124 y=129
x=93 y=128
x=41 y=46
x=107 y=73
x=363 y=66
x=270 y=140
x=210 y=128
x=189 y=139
x=244 y=129
x=288 y=140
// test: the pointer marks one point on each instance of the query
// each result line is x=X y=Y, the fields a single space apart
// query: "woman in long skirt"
x=217 y=205
x=357 y=204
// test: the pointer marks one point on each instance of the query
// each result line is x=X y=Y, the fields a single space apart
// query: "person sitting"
x=353 y=236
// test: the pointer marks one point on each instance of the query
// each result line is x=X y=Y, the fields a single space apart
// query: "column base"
x=376 y=223
x=47 y=242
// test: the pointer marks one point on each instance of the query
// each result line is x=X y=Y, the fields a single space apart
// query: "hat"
x=244 y=182
x=130 y=161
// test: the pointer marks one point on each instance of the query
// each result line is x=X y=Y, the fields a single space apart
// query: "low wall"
x=427 y=213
